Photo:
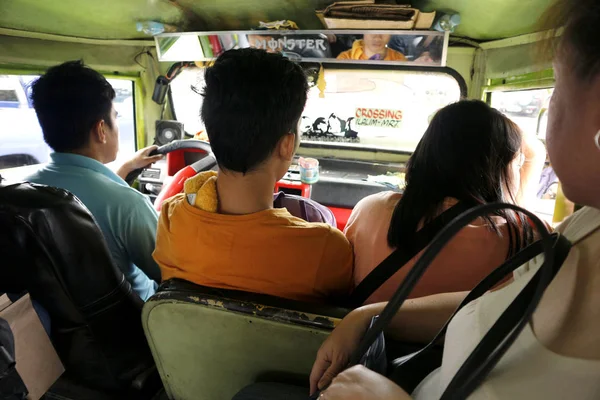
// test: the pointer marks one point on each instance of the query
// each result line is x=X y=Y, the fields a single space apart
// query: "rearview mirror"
x=418 y=48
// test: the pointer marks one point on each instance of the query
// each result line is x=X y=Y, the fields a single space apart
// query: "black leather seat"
x=51 y=247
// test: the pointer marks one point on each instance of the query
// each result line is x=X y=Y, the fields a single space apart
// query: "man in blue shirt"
x=74 y=105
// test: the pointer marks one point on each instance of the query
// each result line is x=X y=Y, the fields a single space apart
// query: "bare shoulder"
x=373 y=209
x=382 y=199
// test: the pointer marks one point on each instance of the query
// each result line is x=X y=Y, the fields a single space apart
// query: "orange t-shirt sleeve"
x=163 y=253
x=335 y=274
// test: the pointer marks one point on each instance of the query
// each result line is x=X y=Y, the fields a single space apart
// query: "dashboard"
x=342 y=183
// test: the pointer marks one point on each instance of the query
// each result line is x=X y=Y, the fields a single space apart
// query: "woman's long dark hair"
x=465 y=154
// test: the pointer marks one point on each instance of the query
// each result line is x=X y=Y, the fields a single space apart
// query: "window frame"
x=531 y=81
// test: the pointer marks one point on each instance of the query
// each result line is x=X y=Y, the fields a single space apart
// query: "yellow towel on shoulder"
x=201 y=191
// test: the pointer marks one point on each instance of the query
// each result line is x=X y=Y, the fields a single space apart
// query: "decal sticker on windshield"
x=330 y=129
x=378 y=117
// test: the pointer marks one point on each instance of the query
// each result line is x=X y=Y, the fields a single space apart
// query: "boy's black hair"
x=69 y=100
x=251 y=100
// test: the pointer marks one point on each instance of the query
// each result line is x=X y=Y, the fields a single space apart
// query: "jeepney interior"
x=209 y=343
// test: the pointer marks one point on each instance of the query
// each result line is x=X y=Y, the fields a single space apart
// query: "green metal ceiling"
x=115 y=19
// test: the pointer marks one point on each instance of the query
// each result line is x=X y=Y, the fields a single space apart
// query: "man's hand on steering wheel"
x=175 y=184
x=140 y=160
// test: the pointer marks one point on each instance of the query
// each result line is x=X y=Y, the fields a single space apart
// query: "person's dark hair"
x=69 y=99
x=251 y=100
x=579 y=40
x=465 y=154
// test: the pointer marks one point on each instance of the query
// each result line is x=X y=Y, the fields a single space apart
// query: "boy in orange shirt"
x=223 y=230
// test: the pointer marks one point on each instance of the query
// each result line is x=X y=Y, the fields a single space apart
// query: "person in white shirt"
x=557 y=356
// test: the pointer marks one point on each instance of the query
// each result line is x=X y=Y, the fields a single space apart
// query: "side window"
x=21 y=139
x=529 y=110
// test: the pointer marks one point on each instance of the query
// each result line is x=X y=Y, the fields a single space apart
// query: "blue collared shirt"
x=125 y=216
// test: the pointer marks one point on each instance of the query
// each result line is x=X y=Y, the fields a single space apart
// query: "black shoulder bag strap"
x=410 y=370
x=395 y=261
x=511 y=322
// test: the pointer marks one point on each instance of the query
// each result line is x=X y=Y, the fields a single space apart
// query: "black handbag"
x=410 y=370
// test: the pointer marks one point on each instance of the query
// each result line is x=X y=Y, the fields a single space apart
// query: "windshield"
x=359 y=108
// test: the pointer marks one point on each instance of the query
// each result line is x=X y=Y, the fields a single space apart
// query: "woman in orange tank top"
x=470 y=152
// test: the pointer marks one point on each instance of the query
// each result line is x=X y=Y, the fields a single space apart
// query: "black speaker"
x=160 y=90
x=168 y=131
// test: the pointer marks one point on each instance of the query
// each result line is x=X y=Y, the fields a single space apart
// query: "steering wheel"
x=176 y=184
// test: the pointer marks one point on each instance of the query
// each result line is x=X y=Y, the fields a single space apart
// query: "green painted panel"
x=461 y=60
x=115 y=19
x=531 y=80
x=491 y=19
x=24 y=52
x=85 y=18
x=505 y=62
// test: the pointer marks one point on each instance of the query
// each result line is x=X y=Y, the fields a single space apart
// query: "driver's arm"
x=141 y=159
x=139 y=236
